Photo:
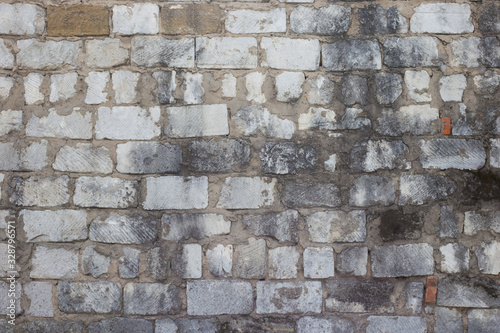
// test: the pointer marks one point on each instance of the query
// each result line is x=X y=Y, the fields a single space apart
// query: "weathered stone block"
x=319 y=262
x=418 y=83
x=448 y=153
x=256 y=119
x=53 y=326
x=325 y=324
x=194 y=91
x=414 y=294
x=118 y=324
x=166 y=86
x=483 y=321
x=289 y=297
x=321 y=91
x=455 y=258
x=353 y=295
x=371 y=190
x=105 y=192
x=282 y=262
x=32 y=157
x=394 y=225
x=89 y=297
x=76 y=125
x=176 y=192
x=218 y=156
x=449 y=223
x=466 y=52
x=253 y=22
x=21 y=19
x=411 y=51
x=83 y=158
x=6 y=84
x=354 y=90
x=62 y=86
x=129 y=264
x=65 y=225
x=442 y=18
x=251 y=259
x=375 y=155
x=148 y=157
x=247 y=192
x=40 y=296
x=94 y=263
x=6 y=56
x=282 y=226
x=249 y=324
x=487 y=257
x=375 y=19
x=97 y=87
x=402 y=260
x=329 y=20
x=396 y=324
x=389 y=87
x=165 y=326
x=158 y=263
x=184 y=226
x=48 y=55
x=337 y=226
x=10 y=121
x=186 y=325
x=413 y=119
x=495 y=153
x=40 y=191
x=452 y=87
x=226 y=52
x=140 y=18
x=220 y=260
x=286 y=158
x=481 y=221
x=448 y=320
x=77 y=20
x=464 y=292
x=54 y=263
x=491 y=52
x=105 y=53
x=253 y=83
x=352 y=261
x=123 y=229
x=489 y=21
x=289 y=86
x=198 y=120
x=216 y=297
x=124 y=86
x=290 y=54
x=351 y=54
x=127 y=123
x=188 y=264
x=311 y=195
x=191 y=19
x=151 y=299
x=153 y=51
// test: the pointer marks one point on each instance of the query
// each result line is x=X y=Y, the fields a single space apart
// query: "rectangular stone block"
x=151 y=299
x=89 y=297
x=105 y=192
x=483 y=321
x=40 y=296
x=218 y=297
x=256 y=119
x=286 y=158
x=197 y=120
x=83 y=158
x=123 y=229
x=178 y=227
x=151 y=51
x=337 y=226
x=148 y=157
x=105 y=53
x=57 y=263
x=293 y=54
x=311 y=195
x=217 y=156
x=353 y=54
x=389 y=324
x=420 y=189
x=411 y=51
x=442 y=18
x=481 y=221
x=48 y=55
x=226 y=52
x=247 y=192
x=40 y=191
x=329 y=20
x=251 y=259
x=282 y=226
x=77 y=20
x=128 y=123
x=6 y=56
x=76 y=125
x=465 y=292
x=21 y=19
x=413 y=119
x=64 y=225
x=254 y=22
x=289 y=297
x=175 y=192
x=191 y=19
x=139 y=18
x=402 y=260
x=10 y=120
x=32 y=157
x=448 y=154
x=117 y=325
x=52 y=326
x=369 y=190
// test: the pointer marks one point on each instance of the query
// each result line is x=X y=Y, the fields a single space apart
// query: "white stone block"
x=140 y=18
x=194 y=88
x=58 y=263
x=253 y=83
x=254 y=22
x=452 y=87
x=6 y=57
x=6 y=84
x=226 y=52
x=289 y=86
x=292 y=54
x=10 y=120
x=55 y=226
x=220 y=260
x=175 y=192
x=40 y=296
x=83 y=158
x=199 y=120
x=105 y=53
x=124 y=85
x=247 y=192
x=229 y=86
x=47 y=55
x=96 y=87
x=32 y=85
x=442 y=18
x=21 y=19
x=128 y=123
x=282 y=262
x=62 y=86
x=319 y=262
x=191 y=257
x=75 y=125
x=417 y=83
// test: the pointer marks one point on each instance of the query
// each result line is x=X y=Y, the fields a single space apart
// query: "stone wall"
x=275 y=166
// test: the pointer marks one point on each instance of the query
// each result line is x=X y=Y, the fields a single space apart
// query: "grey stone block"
x=158 y=263
x=351 y=55
x=282 y=226
x=487 y=257
x=129 y=263
x=448 y=320
x=94 y=263
x=216 y=297
x=394 y=225
x=448 y=223
x=256 y=119
x=484 y=321
x=148 y=157
x=329 y=20
x=247 y=192
x=220 y=260
x=475 y=222
x=40 y=191
x=455 y=258
x=152 y=51
x=123 y=229
x=389 y=324
x=218 y=156
x=260 y=325
x=318 y=262
x=353 y=261
x=402 y=260
x=89 y=297
x=337 y=226
x=83 y=158
x=251 y=259
x=414 y=294
x=166 y=86
x=491 y=52
x=120 y=325
x=389 y=87
x=489 y=21
x=52 y=326
x=464 y=292
x=411 y=52
x=151 y=299
x=197 y=120
x=354 y=90
x=282 y=262
x=186 y=325
x=379 y=154
x=448 y=153
x=65 y=225
x=289 y=297
x=104 y=192
x=311 y=195
x=57 y=263
x=325 y=324
x=420 y=189
x=287 y=158
x=184 y=226
x=372 y=190
x=412 y=119
x=40 y=296
x=375 y=19
x=353 y=295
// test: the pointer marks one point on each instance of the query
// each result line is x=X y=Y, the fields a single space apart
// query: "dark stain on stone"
x=395 y=225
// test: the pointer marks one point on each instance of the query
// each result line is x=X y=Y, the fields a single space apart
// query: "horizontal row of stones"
x=244 y=53
x=182 y=87
x=149 y=18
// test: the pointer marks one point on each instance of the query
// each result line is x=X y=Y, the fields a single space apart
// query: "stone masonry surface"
x=250 y=166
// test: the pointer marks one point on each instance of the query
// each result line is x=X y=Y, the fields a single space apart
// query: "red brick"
x=446 y=126
x=431 y=291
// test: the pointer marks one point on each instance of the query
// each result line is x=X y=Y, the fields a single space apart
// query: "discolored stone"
x=251 y=259
x=489 y=21
x=184 y=226
x=152 y=51
x=311 y=195
x=105 y=192
x=186 y=325
x=354 y=90
x=158 y=263
x=481 y=221
x=247 y=192
x=119 y=325
x=89 y=297
x=479 y=292
x=282 y=226
x=77 y=20
x=375 y=19
x=411 y=51
x=484 y=321
x=191 y=19
x=351 y=54
x=487 y=257
x=148 y=157
x=94 y=263
x=289 y=297
x=129 y=263
x=452 y=153
x=394 y=225
x=218 y=156
x=414 y=293
x=397 y=324
x=448 y=320
x=379 y=154
x=260 y=325
x=319 y=262
x=151 y=299
x=328 y=20
x=420 y=189
x=389 y=87
x=371 y=190
x=166 y=86
x=337 y=226
x=448 y=223
x=123 y=229
x=286 y=158
x=352 y=261
x=256 y=119
x=413 y=119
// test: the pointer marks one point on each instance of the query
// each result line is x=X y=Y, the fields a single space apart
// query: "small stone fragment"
x=253 y=83
x=452 y=87
x=289 y=86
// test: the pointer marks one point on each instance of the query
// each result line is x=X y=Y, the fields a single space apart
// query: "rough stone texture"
x=10 y=121
x=226 y=52
x=40 y=191
x=129 y=263
x=478 y=292
x=411 y=51
x=375 y=19
x=414 y=293
x=352 y=295
x=489 y=22
x=351 y=55
x=48 y=55
x=389 y=87
x=289 y=297
x=6 y=84
x=456 y=153
x=487 y=257
x=94 y=263
x=394 y=225
x=89 y=297
x=448 y=320
x=251 y=259
x=442 y=18
x=337 y=226
x=166 y=86
x=311 y=195
x=449 y=223
x=420 y=189
x=329 y=20
x=194 y=90
x=452 y=87
x=148 y=157
x=40 y=296
x=254 y=22
x=286 y=158
x=256 y=119
x=208 y=298
x=184 y=226
x=127 y=123
x=190 y=19
x=188 y=263
x=481 y=221
x=264 y=324
x=354 y=90
x=402 y=260
x=84 y=158
x=69 y=326
x=124 y=85
x=140 y=18
x=21 y=19
x=352 y=261
x=417 y=83
x=495 y=153
x=65 y=225
x=123 y=229
x=413 y=119
x=483 y=320
x=466 y=52
x=325 y=324
x=290 y=54
x=105 y=53
x=321 y=90
x=218 y=156
x=77 y=20
x=151 y=299
x=253 y=84
x=247 y=192
x=282 y=262
x=289 y=86
x=176 y=192
x=117 y=325
x=319 y=262
x=375 y=155
x=371 y=190
x=62 y=86
x=193 y=121
x=454 y=258
x=96 y=92
x=157 y=263
x=186 y=325
x=282 y=226
x=153 y=51
x=104 y=192
x=7 y=58
x=76 y=125
x=220 y=260
x=396 y=324
x=33 y=157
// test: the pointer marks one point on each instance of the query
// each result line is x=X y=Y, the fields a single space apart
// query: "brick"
x=325 y=324
x=475 y=222
x=445 y=125
x=454 y=258
x=329 y=20
x=253 y=83
x=412 y=119
x=256 y=119
x=62 y=86
x=105 y=53
x=282 y=226
x=411 y=51
x=413 y=293
x=247 y=193
x=319 y=262
x=123 y=229
x=375 y=19
x=321 y=91
x=442 y=18
x=351 y=54
x=188 y=264
x=370 y=190
x=125 y=85
x=380 y=154
x=48 y=55
x=452 y=87
x=218 y=156
x=178 y=227
x=354 y=295
x=6 y=84
x=164 y=193
x=286 y=158
x=152 y=51
x=483 y=320
x=394 y=225
x=76 y=125
x=83 y=158
x=198 y=120
x=311 y=195
x=354 y=90
x=128 y=123
x=251 y=259
x=129 y=263
x=448 y=320
x=226 y=52
x=53 y=326
x=389 y=87
x=489 y=20
x=40 y=191
x=65 y=225
x=220 y=260
x=104 y=192
x=402 y=260
x=295 y=297
x=191 y=19
x=420 y=189
x=217 y=297
x=431 y=290
x=96 y=87
x=77 y=20
x=21 y=19
x=151 y=299
x=117 y=325
x=447 y=154
x=418 y=83
x=54 y=263
x=395 y=324
x=487 y=257
x=140 y=18
x=6 y=56
x=148 y=157
x=93 y=263
x=40 y=296
x=282 y=262
x=337 y=226
x=466 y=292
x=290 y=54
x=32 y=157
x=254 y=22
x=89 y=297
x=289 y=86
x=352 y=261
